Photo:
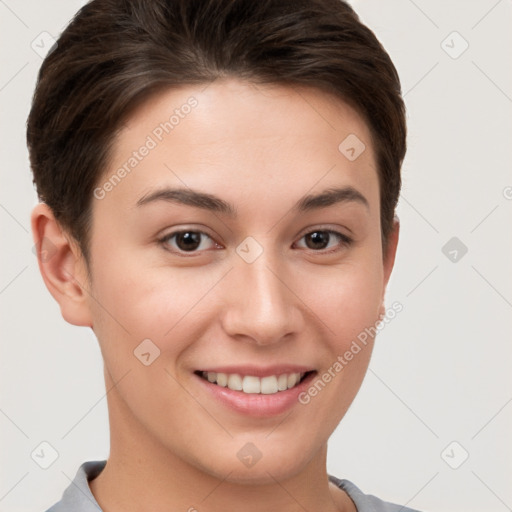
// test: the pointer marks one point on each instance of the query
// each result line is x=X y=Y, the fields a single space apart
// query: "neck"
x=142 y=474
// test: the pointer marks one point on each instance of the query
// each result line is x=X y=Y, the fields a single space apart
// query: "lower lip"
x=257 y=404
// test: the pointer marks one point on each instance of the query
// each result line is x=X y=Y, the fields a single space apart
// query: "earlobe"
x=62 y=266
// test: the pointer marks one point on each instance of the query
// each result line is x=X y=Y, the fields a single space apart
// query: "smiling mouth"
x=251 y=384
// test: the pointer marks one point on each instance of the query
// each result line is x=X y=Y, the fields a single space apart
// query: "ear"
x=389 y=259
x=62 y=266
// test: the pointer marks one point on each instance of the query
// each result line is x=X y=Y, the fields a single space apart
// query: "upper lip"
x=259 y=371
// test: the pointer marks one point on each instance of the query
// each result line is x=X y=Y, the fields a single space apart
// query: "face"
x=244 y=241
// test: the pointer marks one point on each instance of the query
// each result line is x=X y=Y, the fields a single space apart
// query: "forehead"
x=232 y=135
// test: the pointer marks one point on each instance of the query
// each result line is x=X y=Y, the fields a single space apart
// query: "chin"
x=251 y=466
x=262 y=474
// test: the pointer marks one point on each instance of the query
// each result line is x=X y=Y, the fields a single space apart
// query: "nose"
x=261 y=306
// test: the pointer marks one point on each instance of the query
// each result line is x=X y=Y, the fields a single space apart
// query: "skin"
x=262 y=149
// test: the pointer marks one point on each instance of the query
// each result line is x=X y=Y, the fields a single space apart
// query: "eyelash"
x=345 y=241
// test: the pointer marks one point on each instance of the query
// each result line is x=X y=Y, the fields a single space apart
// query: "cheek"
x=133 y=302
x=348 y=305
x=346 y=299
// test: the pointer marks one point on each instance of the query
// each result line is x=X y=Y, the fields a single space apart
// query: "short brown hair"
x=115 y=53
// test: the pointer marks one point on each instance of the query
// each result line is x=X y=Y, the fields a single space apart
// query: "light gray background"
x=441 y=369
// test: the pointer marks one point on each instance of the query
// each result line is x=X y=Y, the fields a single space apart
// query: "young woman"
x=218 y=181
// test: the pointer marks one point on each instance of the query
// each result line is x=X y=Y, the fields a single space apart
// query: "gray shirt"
x=78 y=496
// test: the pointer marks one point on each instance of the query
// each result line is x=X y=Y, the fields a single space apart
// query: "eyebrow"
x=330 y=197
x=189 y=197
x=213 y=203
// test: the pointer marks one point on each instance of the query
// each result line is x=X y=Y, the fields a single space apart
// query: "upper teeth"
x=250 y=384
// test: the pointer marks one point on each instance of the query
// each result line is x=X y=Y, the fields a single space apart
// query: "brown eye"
x=322 y=239
x=317 y=239
x=187 y=241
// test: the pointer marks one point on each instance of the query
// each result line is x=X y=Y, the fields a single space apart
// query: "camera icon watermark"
x=44 y=44
x=46 y=248
x=455 y=455
x=249 y=250
x=249 y=454
x=454 y=249
x=44 y=455
x=146 y=352
x=352 y=147
x=454 y=45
